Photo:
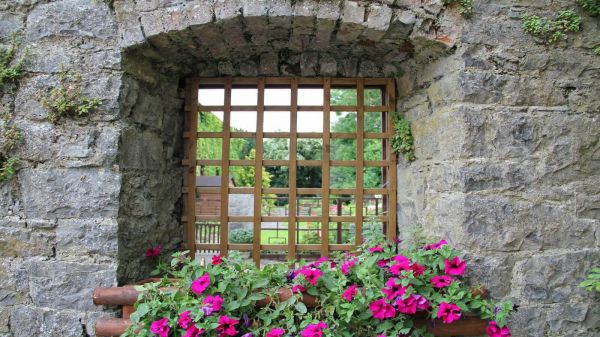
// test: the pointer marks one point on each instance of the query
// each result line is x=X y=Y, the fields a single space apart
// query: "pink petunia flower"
x=402 y=263
x=493 y=330
x=441 y=281
x=448 y=312
x=382 y=263
x=227 y=326
x=154 y=251
x=393 y=289
x=311 y=275
x=298 y=288
x=435 y=246
x=215 y=302
x=275 y=332
x=193 y=331
x=346 y=266
x=349 y=293
x=407 y=306
x=376 y=249
x=382 y=310
x=314 y=330
x=417 y=269
x=201 y=284
x=217 y=260
x=455 y=266
x=422 y=303
x=185 y=320
x=160 y=327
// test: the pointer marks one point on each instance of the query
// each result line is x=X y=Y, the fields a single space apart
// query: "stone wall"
x=506 y=135
x=508 y=154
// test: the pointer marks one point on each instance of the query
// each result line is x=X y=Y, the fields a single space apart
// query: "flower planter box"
x=126 y=296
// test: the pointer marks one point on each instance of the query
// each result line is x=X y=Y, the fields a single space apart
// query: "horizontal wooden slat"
x=276 y=134
x=376 y=163
x=376 y=191
x=318 y=135
x=309 y=163
x=337 y=247
x=206 y=162
x=343 y=163
x=208 y=190
x=309 y=218
x=344 y=135
x=275 y=190
x=342 y=218
x=375 y=135
x=204 y=134
x=276 y=162
x=350 y=191
x=241 y=190
x=245 y=162
x=240 y=246
x=304 y=248
x=253 y=108
x=317 y=191
x=240 y=218
x=237 y=134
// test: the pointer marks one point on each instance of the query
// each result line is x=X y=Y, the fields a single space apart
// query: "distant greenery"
x=66 y=100
x=552 y=30
x=241 y=235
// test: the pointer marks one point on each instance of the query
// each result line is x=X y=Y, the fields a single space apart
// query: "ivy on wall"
x=402 y=140
x=552 y=30
x=11 y=71
x=466 y=6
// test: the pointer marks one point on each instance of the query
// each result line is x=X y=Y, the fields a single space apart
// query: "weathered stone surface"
x=67 y=193
x=77 y=237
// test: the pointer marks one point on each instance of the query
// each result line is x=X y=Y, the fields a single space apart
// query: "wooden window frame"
x=190 y=162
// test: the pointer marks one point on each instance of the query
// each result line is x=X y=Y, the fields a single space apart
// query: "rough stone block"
x=269 y=64
x=66 y=193
x=9 y=23
x=65 y=285
x=327 y=65
x=82 y=236
x=18 y=241
x=309 y=64
x=71 y=18
x=33 y=321
x=377 y=22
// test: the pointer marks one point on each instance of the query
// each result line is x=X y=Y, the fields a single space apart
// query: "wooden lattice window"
x=288 y=166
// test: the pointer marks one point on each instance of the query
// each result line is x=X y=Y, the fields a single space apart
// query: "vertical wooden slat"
x=292 y=171
x=325 y=168
x=360 y=158
x=225 y=170
x=392 y=168
x=191 y=121
x=260 y=109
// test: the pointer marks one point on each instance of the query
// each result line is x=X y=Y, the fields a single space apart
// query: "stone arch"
x=163 y=43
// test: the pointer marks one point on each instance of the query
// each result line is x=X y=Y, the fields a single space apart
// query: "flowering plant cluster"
x=379 y=291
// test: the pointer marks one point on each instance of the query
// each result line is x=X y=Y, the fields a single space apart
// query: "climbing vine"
x=66 y=99
x=11 y=71
x=402 y=140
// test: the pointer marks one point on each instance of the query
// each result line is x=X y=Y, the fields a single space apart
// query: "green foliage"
x=597 y=51
x=11 y=71
x=592 y=6
x=240 y=284
x=241 y=235
x=466 y=6
x=402 y=140
x=553 y=30
x=245 y=175
x=592 y=282
x=66 y=99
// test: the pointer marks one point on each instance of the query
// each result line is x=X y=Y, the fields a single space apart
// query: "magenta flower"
x=422 y=303
x=393 y=289
x=382 y=263
x=435 y=246
x=160 y=327
x=311 y=275
x=314 y=330
x=493 y=330
x=185 y=320
x=402 y=263
x=346 y=266
x=193 y=331
x=215 y=302
x=349 y=293
x=217 y=260
x=376 y=249
x=201 y=283
x=154 y=251
x=298 y=288
x=455 y=266
x=275 y=332
x=227 y=326
x=407 y=306
x=441 y=281
x=382 y=310
x=448 y=312
x=417 y=269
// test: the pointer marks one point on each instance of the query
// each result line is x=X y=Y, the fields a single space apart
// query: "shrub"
x=241 y=235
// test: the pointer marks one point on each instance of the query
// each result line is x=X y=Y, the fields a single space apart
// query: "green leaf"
x=141 y=310
x=301 y=307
